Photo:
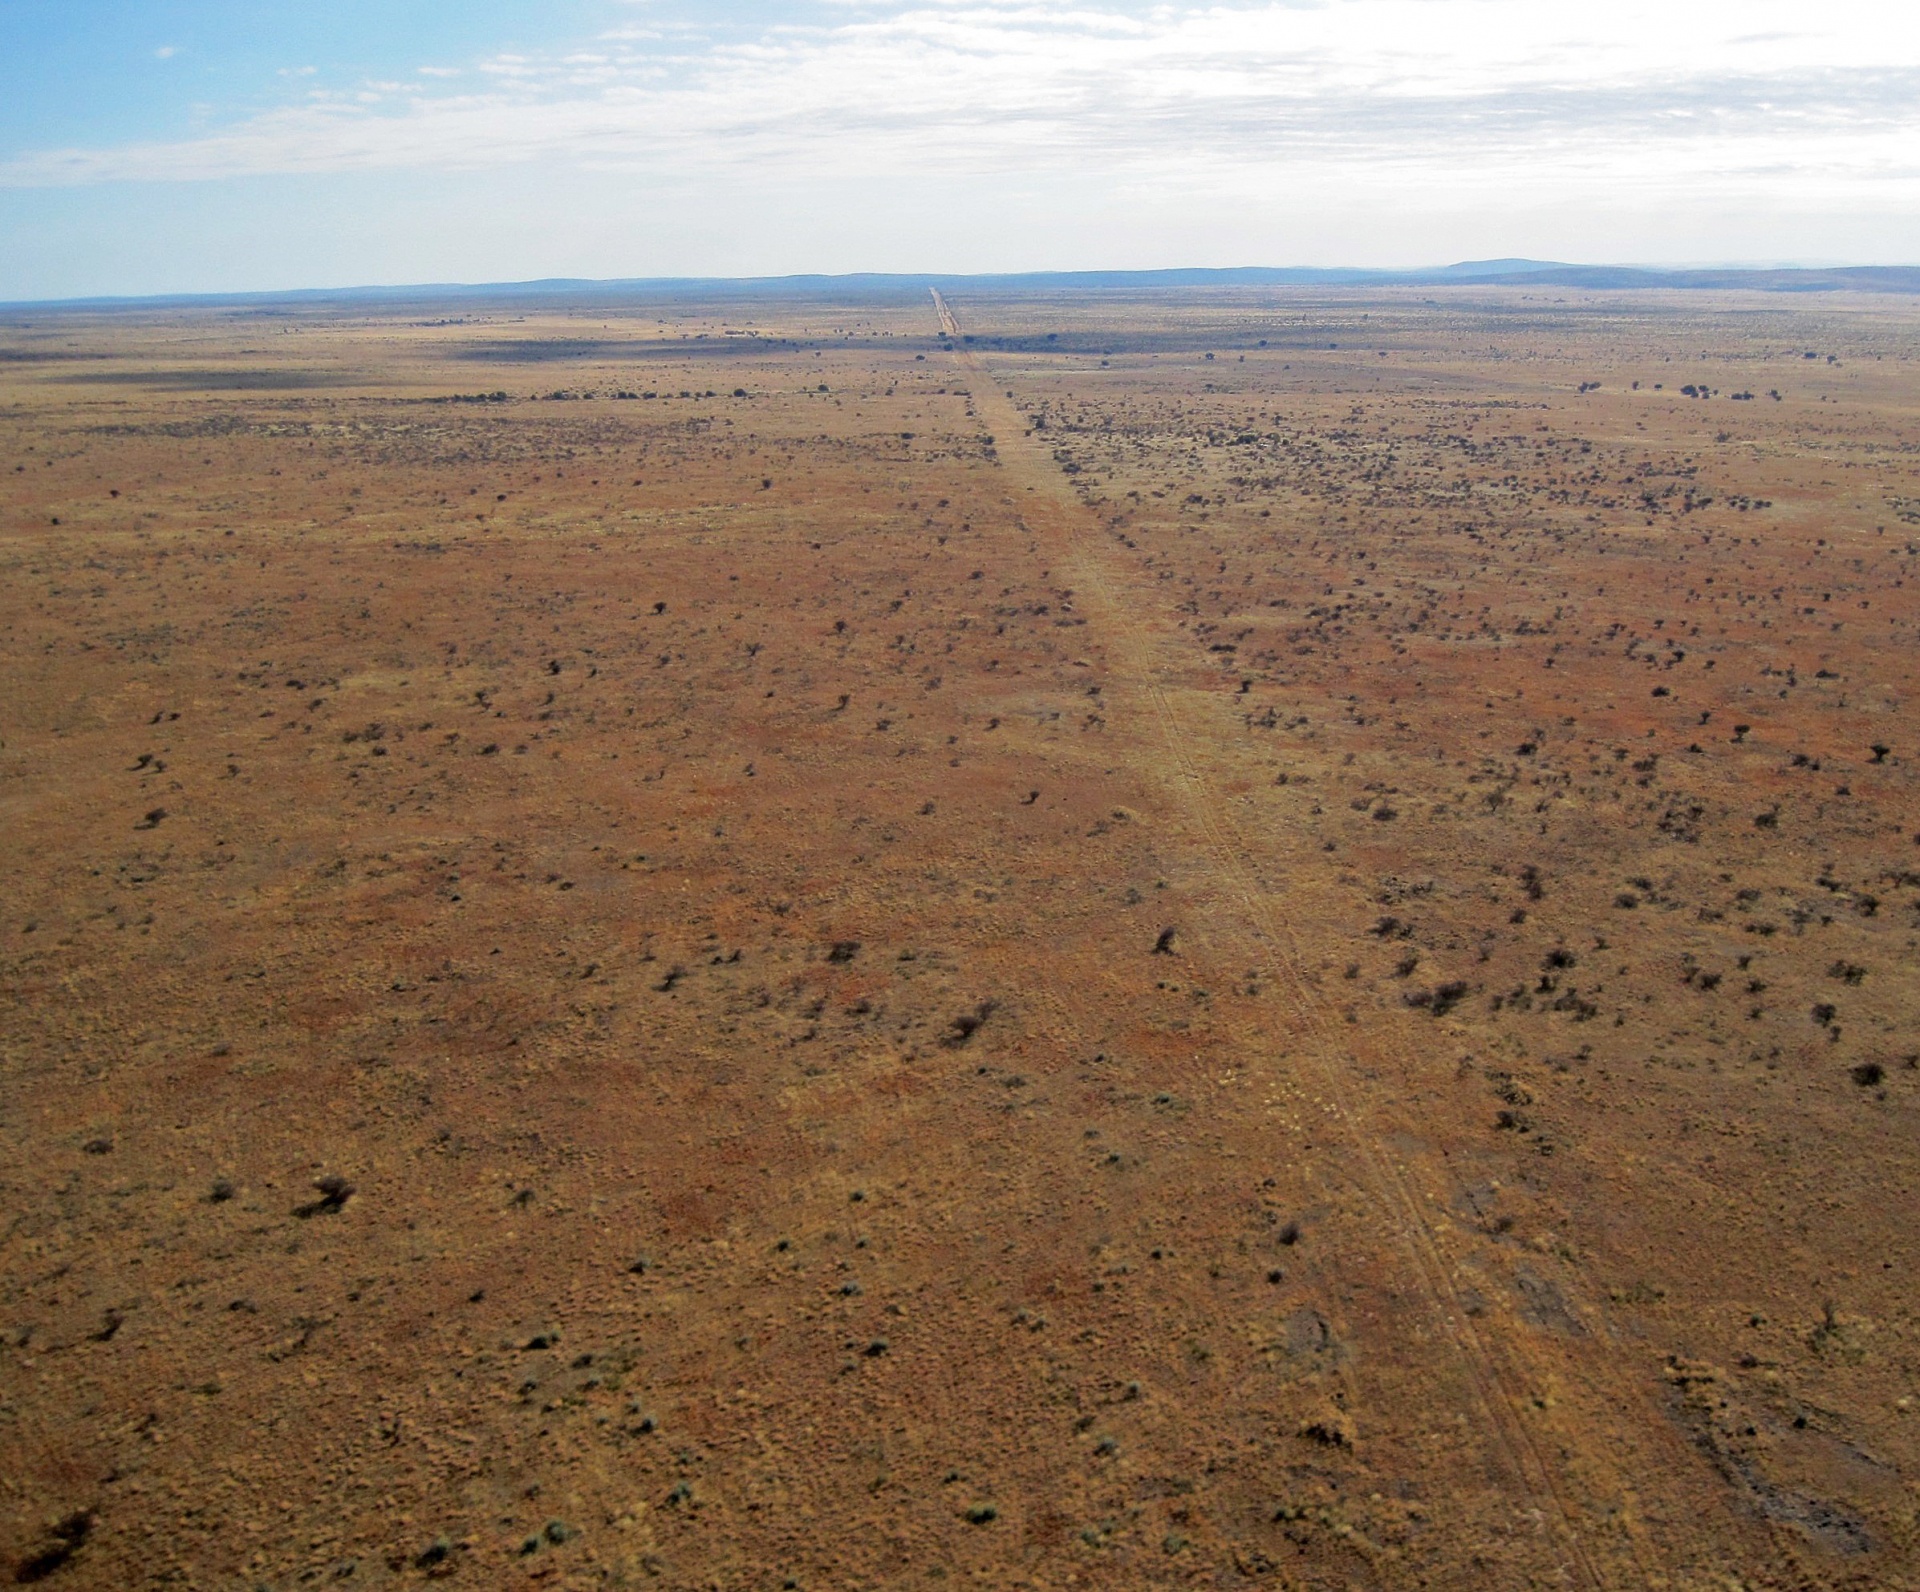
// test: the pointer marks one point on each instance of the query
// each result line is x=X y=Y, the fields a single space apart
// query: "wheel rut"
x=1498 y=1375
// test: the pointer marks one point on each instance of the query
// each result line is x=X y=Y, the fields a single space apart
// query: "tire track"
x=1493 y=1389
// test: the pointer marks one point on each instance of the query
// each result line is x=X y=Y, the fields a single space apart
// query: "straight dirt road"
x=1576 y=1464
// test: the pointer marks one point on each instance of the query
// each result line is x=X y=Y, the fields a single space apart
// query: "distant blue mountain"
x=1468 y=273
x=1481 y=270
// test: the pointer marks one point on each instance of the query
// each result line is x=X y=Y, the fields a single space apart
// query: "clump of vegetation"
x=967 y=1024
x=333 y=1190
x=65 y=1538
x=1441 y=999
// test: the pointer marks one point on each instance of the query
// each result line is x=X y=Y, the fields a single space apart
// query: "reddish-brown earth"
x=1218 y=940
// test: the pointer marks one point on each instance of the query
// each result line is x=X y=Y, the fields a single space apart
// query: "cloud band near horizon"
x=1764 y=96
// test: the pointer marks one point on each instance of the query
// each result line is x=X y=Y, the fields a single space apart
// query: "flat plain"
x=1199 y=939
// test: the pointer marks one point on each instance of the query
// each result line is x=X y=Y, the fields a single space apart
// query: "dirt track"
x=1321 y=1078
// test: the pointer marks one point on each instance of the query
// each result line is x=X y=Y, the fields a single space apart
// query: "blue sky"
x=177 y=145
x=84 y=72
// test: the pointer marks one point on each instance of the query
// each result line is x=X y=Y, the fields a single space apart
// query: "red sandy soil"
x=1217 y=939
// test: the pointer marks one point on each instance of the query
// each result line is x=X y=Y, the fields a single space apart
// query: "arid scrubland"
x=1241 y=938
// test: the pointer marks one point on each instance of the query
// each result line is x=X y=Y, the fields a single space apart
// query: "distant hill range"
x=1468 y=273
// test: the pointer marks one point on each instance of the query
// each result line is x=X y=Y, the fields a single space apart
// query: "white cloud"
x=166 y=52
x=1767 y=96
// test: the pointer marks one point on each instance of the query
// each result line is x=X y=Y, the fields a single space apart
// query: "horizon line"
x=1506 y=271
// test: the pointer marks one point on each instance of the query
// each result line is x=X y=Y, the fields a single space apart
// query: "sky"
x=160 y=146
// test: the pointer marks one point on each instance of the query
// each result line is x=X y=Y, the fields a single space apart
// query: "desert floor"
x=1199 y=940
